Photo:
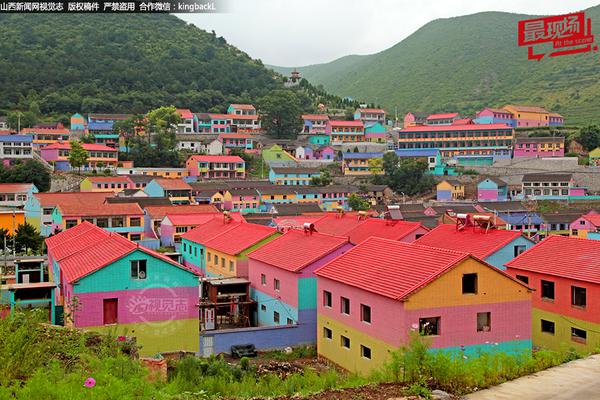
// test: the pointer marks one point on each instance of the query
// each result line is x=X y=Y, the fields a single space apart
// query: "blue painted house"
x=319 y=140
x=176 y=190
x=293 y=175
x=492 y=189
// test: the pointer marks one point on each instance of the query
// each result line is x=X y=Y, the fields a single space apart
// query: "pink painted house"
x=539 y=147
x=589 y=222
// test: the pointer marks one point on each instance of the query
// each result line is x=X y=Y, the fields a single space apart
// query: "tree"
x=30 y=171
x=589 y=137
x=323 y=180
x=77 y=155
x=281 y=114
x=408 y=177
x=129 y=128
x=19 y=119
x=390 y=162
x=375 y=165
x=5 y=235
x=27 y=238
x=357 y=203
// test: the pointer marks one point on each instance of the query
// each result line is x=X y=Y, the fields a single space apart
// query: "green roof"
x=595 y=152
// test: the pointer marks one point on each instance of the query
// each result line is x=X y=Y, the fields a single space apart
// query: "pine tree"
x=77 y=156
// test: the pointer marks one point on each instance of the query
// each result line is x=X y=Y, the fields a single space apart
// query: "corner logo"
x=569 y=34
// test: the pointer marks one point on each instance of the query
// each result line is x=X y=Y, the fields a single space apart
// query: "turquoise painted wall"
x=153 y=189
x=307 y=293
x=265 y=317
x=512 y=347
x=193 y=253
x=117 y=276
x=506 y=253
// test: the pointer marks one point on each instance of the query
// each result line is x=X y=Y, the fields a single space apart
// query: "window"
x=135 y=237
x=519 y=249
x=263 y=307
x=327 y=301
x=327 y=333
x=547 y=290
x=365 y=352
x=345 y=305
x=263 y=279
x=102 y=222
x=484 y=322
x=223 y=262
x=523 y=278
x=275 y=317
x=429 y=326
x=185 y=248
x=70 y=223
x=547 y=326
x=276 y=284
x=289 y=321
x=578 y=296
x=135 y=221
x=117 y=222
x=469 y=284
x=48 y=211
x=345 y=342
x=216 y=260
x=138 y=269
x=231 y=267
x=578 y=335
x=365 y=313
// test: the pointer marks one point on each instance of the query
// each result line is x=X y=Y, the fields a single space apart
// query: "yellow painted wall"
x=443 y=185
x=561 y=340
x=217 y=269
x=7 y=222
x=350 y=359
x=492 y=287
x=528 y=115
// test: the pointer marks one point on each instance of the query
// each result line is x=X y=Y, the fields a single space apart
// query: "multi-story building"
x=16 y=147
x=314 y=123
x=204 y=123
x=370 y=298
x=494 y=116
x=45 y=136
x=335 y=197
x=16 y=194
x=441 y=119
x=539 y=147
x=293 y=175
x=549 y=186
x=244 y=123
x=216 y=167
x=187 y=123
x=236 y=141
x=176 y=190
x=494 y=140
x=99 y=156
x=555 y=119
x=370 y=115
x=113 y=184
x=220 y=123
x=528 y=116
x=415 y=119
x=345 y=131
x=356 y=164
x=565 y=277
x=199 y=143
x=170 y=173
x=241 y=109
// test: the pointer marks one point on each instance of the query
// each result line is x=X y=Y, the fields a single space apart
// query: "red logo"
x=569 y=34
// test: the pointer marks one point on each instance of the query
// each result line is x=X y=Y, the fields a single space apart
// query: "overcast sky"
x=295 y=33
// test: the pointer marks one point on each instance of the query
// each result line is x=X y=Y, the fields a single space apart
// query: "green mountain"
x=463 y=64
x=121 y=63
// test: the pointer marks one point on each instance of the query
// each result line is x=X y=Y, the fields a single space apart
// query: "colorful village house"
x=99 y=156
x=78 y=123
x=276 y=194
x=450 y=189
x=565 y=276
x=216 y=167
x=375 y=132
x=476 y=235
x=45 y=136
x=283 y=282
x=369 y=115
x=220 y=123
x=227 y=253
x=159 y=172
x=527 y=116
x=594 y=157
x=112 y=184
x=293 y=176
x=585 y=224
x=319 y=139
x=275 y=153
x=176 y=190
x=101 y=127
x=492 y=189
x=441 y=119
x=345 y=132
x=174 y=226
x=124 y=219
x=129 y=290
x=16 y=194
x=550 y=186
x=335 y=197
x=414 y=119
x=188 y=121
x=241 y=109
x=155 y=214
x=15 y=147
x=494 y=116
x=237 y=200
x=314 y=123
x=324 y=153
x=10 y=219
x=403 y=231
x=357 y=164
x=551 y=146
x=372 y=297
x=236 y=141
x=304 y=153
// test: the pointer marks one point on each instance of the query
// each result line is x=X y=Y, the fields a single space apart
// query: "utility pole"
x=18 y=122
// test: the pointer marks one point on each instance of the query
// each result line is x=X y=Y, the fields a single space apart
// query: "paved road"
x=579 y=379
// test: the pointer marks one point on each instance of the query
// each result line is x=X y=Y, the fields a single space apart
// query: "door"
x=208 y=346
x=110 y=307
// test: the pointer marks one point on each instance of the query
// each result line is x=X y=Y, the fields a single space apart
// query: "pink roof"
x=185 y=113
x=296 y=249
x=442 y=116
x=567 y=257
x=462 y=121
x=469 y=240
x=204 y=232
x=452 y=128
x=172 y=184
x=593 y=218
x=15 y=187
x=390 y=268
x=85 y=248
x=346 y=123
x=337 y=224
x=86 y=146
x=241 y=237
x=189 y=219
x=394 y=230
x=315 y=117
x=221 y=159
x=46 y=131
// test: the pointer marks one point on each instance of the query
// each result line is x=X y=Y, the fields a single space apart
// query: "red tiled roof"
x=316 y=117
x=470 y=240
x=243 y=106
x=442 y=116
x=462 y=121
x=394 y=230
x=46 y=131
x=390 y=268
x=159 y=212
x=189 y=219
x=295 y=249
x=86 y=248
x=337 y=224
x=86 y=146
x=235 y=136
x=567 y=257
x=172 y=184
x=88 y=207
x=593 y=218
x=55 y=198
x=15 y=187
x=221 y=159
x=470 y=127
x=185 y=113
x=346 y=123
x=205 y=232
x=238 y=239
x=220 y=116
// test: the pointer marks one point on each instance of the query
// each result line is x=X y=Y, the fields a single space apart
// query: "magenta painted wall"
x=576 y=192
x=487 y=194
x=585 y=226
x=135 y=305
x=521 y=122
x=509 y=321
x=536 y=152
x=49 y=155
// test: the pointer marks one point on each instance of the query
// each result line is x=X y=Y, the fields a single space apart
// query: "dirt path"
x=579 y=379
